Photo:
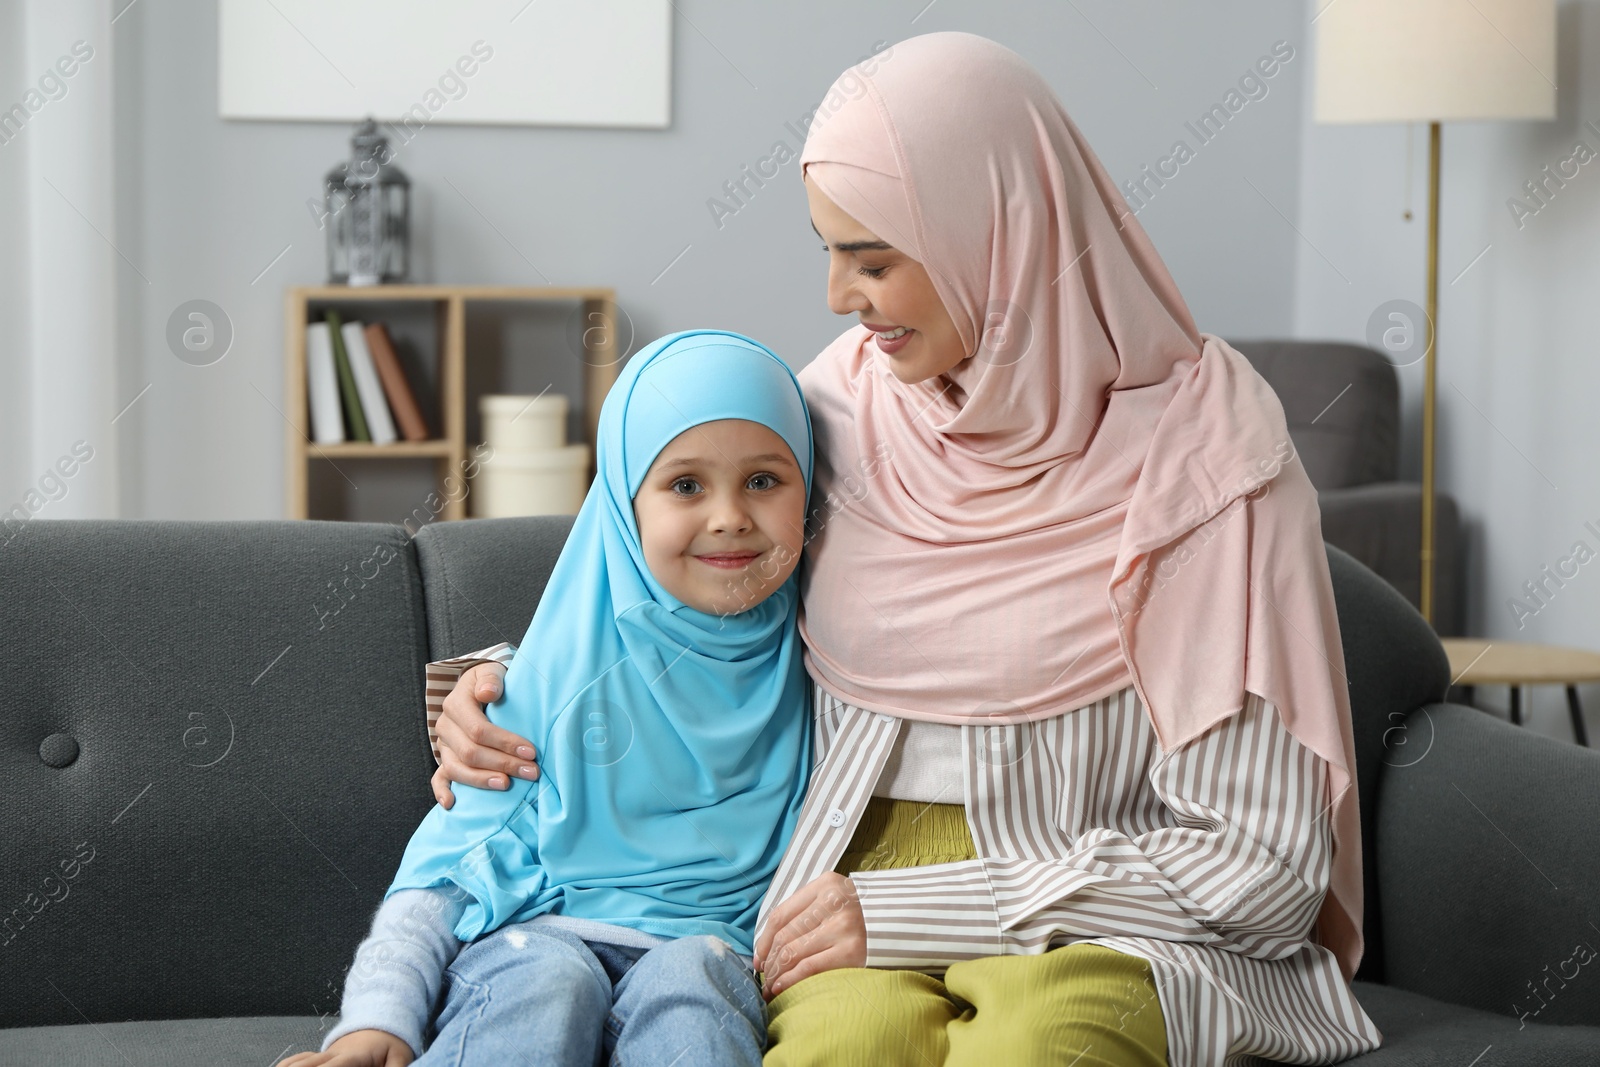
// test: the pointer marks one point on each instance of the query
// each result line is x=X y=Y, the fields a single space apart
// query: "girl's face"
x=721 y=515
x=886 y=288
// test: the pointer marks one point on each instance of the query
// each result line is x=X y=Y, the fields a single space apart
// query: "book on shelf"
x=354 y=417
x=322 y=381
x=358 y=389
x=373 y=404
x=401 y=398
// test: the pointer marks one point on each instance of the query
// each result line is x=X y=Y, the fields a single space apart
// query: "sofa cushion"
x=214 y=741
x=1417 y=1032
x=257 y=1042
x=1488 y=870
x=1421 y=1032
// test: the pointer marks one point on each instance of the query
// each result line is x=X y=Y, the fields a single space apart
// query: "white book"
x=374 y=404
x=322 y=380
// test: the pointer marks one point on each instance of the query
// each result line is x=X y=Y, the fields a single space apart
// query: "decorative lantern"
x=368 y=202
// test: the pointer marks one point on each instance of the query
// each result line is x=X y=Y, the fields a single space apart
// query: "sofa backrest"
x=218 y=756
x=1342 y=403
x=482 y=579
x=214 y=740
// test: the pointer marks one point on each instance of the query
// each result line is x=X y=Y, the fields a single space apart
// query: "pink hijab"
x=1100 y=495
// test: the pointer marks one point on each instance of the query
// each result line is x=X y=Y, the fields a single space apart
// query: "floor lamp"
x=1434 y=61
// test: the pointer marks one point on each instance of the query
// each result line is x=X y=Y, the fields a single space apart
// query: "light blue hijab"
x=674 y=745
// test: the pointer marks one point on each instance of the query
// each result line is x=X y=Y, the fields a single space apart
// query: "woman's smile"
x=891 y=339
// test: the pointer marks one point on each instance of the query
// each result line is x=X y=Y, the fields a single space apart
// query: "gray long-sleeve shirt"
x=394 y=983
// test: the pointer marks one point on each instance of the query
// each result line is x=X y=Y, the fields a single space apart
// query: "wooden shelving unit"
x=450 y=305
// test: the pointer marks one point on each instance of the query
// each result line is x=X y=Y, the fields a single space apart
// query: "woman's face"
x=885 y=288
x=729 y=488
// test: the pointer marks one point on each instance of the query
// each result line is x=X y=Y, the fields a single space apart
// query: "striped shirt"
x=1210 y=862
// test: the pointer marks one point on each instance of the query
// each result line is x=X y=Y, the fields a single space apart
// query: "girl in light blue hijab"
x=609 y=907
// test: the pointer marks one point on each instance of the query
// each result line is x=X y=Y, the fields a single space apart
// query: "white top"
x=925 y=764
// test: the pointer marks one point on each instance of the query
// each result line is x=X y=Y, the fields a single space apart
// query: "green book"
x=347 y=381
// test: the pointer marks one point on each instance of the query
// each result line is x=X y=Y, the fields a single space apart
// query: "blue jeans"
x=531 y=994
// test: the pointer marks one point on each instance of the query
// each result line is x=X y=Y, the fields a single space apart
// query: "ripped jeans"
x=534 y=994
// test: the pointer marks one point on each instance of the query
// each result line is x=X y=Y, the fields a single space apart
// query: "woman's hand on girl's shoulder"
x=472 y=749
x=359 y=1048
x=817 y=929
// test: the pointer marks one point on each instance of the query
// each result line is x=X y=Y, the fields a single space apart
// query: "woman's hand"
x=817 y=929
x=359 y=1048
x=471 y=748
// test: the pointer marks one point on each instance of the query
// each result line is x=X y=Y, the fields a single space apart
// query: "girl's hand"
x=471 y=748
x=359 y=1048
x=817 y=929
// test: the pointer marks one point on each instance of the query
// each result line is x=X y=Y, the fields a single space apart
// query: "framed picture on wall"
x=514 y=62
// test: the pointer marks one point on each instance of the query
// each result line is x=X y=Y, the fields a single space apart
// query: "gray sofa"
x=1342 y=402
x=214 y=738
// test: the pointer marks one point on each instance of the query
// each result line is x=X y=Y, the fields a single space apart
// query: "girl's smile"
x=732 y=561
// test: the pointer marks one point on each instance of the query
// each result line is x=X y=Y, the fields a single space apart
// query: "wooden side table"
x=1474 y=661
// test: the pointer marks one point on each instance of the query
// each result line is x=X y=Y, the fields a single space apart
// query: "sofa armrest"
x=1380 y=524
x=1487 y=868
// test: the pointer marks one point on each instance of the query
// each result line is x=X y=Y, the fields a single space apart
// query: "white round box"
x=524 y=423
x=551 y=482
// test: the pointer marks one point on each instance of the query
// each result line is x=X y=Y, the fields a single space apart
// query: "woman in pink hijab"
x=1083 y=771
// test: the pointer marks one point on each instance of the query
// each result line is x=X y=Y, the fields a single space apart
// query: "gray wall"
x=204 y=205
x=1278 y=226
x=14 y=375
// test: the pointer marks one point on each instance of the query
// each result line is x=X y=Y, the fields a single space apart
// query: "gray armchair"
x=1342 y=402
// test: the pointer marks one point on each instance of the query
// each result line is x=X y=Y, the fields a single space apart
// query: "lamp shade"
x=1435 y=60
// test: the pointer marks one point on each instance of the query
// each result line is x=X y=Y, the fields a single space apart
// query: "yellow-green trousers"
x=1083 y=1005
